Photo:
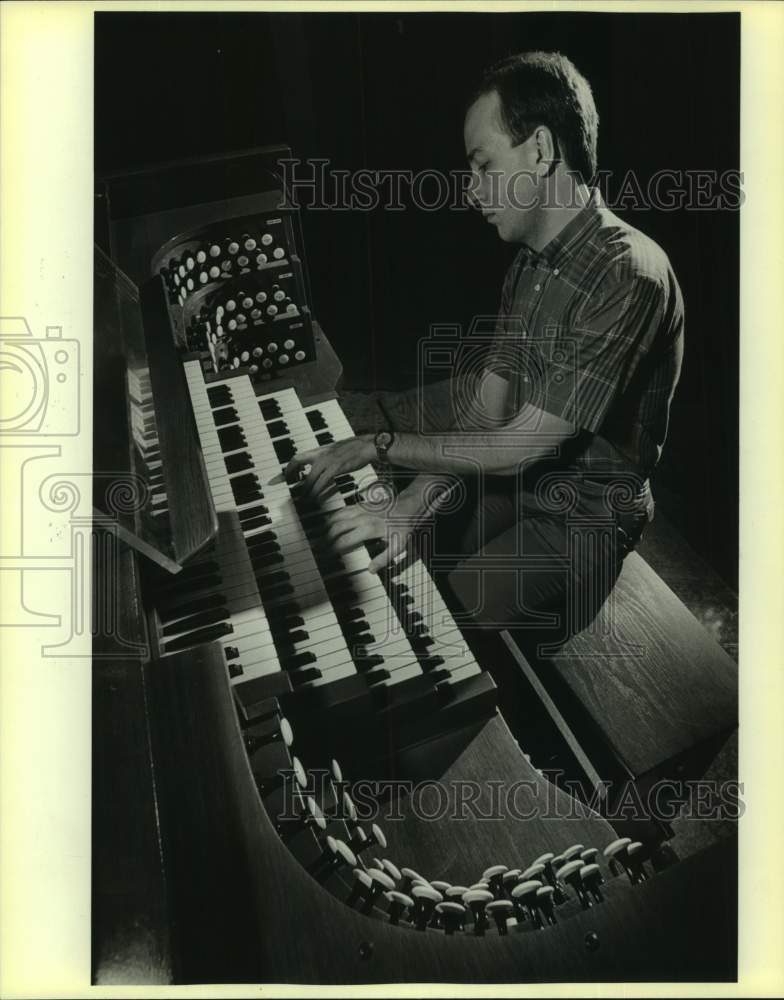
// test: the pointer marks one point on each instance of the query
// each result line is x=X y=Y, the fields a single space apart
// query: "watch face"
x=383 y=439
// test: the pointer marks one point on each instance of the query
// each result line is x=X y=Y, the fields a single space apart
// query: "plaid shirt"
x=591 y=330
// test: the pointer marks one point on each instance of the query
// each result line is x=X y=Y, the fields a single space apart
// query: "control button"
x=291 y=307
x=266 y=239
x=233 y=247
x=272 y=348
x=232 y=324
x=245 y=356
x=214 y=250
x=176 y=279
x=214 y=271
x=272 y=310
x=201 y=256
x=247 y=302
x=203 y=278
x=267 y=363
x=190 y=263
x=255 y=313
x=235 y=362
x=242 y=260
x=219 y=313
x=556 y=271
x=242 y=318
x=279 y=295
x=250 y=243
x=278 y=253
x=288 y=344
x=181 y=271
x=284 y=359
x=261 y=258
x=537 y=287
x=257 y=352
x=261 y=296
x=299 y=356
x=190 y=284
x=253 y=369
x=225 y=265
x=231 y=305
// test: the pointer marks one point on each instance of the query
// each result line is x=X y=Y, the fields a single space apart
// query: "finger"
x=339 y=526
x=395 y=550
x=348 y=542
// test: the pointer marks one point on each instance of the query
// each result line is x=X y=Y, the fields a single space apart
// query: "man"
x=569 y=415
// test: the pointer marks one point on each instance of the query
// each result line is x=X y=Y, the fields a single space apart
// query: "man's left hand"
x=327 y=462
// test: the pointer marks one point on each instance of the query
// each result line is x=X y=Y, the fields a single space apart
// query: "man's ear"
x=546 y=150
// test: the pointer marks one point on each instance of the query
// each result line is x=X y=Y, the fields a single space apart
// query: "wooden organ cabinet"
x=248 y=685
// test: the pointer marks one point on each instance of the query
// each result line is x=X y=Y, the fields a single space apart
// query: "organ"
x=259 y=701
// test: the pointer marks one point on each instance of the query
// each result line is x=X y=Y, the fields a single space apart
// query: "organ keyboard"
x=229 y=843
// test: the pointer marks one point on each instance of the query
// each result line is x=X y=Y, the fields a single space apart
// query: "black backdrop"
x=387 y=91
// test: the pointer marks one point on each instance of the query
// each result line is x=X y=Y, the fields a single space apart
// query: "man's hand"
x=352 y=527
x=327 y=462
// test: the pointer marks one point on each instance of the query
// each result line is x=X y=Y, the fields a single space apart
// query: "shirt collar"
x=573 y=234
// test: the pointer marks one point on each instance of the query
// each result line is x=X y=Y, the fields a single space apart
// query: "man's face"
x=505 y=183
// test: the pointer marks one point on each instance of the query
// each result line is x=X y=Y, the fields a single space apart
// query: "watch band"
x=383 y=441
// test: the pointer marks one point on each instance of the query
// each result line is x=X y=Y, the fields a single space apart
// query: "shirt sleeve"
x=505 y=345
x=579 y=375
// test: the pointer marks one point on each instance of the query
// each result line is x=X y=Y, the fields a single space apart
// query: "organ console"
x=260 y=702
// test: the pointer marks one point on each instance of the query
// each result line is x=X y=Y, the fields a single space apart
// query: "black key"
x=251 y=512
x=277 y=428
x=284 y=626
x=282 y=591
x=219 y=395
x=297 y=660
x=270 y=409
x=431 y=662
x=231 y=438
x=351 y=499
x=365 y=639
x=231 y=652
x=375 y=676
x=352 y=628
x=197 y=637
x=235 y=669
x=256 y=522
x=228 y=415
x=261 y=540
x=305 y=676
x=351 y=614
x=166 y=614
x=238 y=462
x=271 y=579
x=200 y=620
x=299 y=636
x=285 y=449
x=316 y=420
x=264 y=559
x=347 y=488
x=277 y=615
x=325 y=438
x=345 y=477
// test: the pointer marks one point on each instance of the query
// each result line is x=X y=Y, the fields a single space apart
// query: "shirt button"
x=556 y=271
x=537 y=288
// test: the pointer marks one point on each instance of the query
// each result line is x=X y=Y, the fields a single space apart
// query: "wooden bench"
x=644 y=693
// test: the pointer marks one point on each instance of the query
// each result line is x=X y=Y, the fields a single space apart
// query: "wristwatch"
x=383 y=442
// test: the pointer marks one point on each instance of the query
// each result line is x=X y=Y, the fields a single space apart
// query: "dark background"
x=387 y=91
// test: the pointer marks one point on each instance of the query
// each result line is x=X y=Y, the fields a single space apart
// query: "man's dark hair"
x=545 y=88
